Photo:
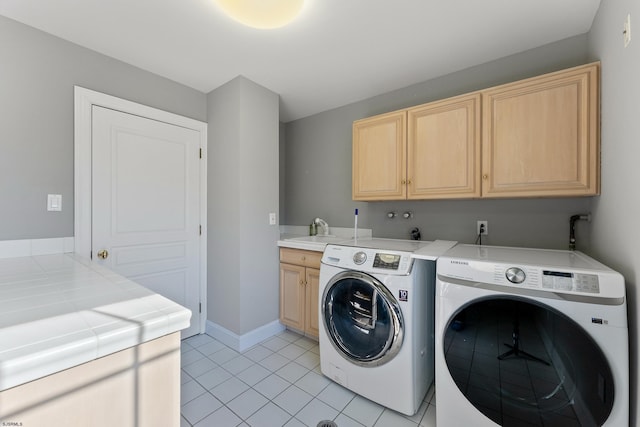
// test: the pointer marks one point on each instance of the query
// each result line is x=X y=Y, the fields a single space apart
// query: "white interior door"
x=146 y=204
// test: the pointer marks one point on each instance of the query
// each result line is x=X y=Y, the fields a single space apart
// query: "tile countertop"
x=59 y=311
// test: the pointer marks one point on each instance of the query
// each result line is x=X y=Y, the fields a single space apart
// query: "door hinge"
x=201 y=153
x=200 y=230
x=90 y=254
x=199 y=307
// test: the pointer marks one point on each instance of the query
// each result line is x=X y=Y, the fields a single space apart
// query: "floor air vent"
x=326 y=423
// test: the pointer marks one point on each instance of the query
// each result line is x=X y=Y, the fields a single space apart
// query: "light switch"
x=54 y=202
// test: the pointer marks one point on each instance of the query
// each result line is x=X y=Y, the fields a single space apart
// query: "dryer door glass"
x=363 y=319
x=522 y=363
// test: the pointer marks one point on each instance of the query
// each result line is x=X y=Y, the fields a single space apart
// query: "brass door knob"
x=485 y=176
x=103 y=254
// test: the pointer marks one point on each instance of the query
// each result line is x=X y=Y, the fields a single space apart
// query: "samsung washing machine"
x=528 y=337
x=377 y=319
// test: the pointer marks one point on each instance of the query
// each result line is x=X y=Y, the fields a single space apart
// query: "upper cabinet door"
x=541 y=136
x=444 y=149
x=379 y=157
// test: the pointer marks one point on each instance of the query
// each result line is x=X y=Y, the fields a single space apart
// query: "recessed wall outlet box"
x=54 y=202
x=483 y=228
x=272 y=218
x=626 y=31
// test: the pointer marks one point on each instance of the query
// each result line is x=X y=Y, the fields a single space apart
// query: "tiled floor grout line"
x=239 y=416
x=204 y=386
x=280 y=367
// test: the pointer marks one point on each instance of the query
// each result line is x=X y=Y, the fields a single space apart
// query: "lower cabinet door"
x=292 y=295
x=312 y=301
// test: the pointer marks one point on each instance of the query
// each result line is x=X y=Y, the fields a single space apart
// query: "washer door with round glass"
x=362 y=318
x=520 y=362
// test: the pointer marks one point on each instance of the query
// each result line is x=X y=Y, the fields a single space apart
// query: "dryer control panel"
x=565 y=281
x=547 y=279
x=560 y=272
x=533 y=277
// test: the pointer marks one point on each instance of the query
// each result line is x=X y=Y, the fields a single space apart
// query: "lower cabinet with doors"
x=299 y=287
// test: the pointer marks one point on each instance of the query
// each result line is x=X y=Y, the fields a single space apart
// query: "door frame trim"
x=84 y=100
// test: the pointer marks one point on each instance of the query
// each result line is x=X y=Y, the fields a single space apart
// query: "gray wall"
x=243 y=189
x=615 y=232
x=37 y=75
x=318 y=166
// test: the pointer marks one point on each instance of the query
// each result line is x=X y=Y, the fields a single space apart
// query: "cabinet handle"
x=408 y=182
x=301 y=282
x=403 y=182
x=485 y=176
x=303 y=258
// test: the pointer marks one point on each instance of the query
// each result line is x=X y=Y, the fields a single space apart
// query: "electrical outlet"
x=485 y=228
x=272 y=218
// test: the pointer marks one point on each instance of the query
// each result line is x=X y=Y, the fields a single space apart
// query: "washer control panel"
x=368 y=259
x=515 y=275
x=359 y=258
x=386 y=261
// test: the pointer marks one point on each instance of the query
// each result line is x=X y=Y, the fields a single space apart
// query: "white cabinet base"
x=138 y=386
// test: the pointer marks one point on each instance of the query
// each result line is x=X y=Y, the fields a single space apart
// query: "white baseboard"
x=243 y=342
x=34 y=247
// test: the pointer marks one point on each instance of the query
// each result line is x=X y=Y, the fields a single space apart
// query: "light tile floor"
x=275 y=383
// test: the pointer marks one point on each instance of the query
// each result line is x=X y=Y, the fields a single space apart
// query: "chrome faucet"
x=322 y=223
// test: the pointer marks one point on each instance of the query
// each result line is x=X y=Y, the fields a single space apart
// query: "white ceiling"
x=336 y=53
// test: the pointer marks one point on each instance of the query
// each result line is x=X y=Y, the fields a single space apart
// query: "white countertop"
x=310 y=243
x=293 y=236
x=429 y=250
x=434 y=250
x=59 y=311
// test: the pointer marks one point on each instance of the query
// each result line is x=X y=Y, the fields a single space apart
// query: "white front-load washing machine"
x=377 y=319
x=529 y=337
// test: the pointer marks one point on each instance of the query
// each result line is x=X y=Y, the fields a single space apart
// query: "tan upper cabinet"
x=379 y=157
x=443 y=157
x=431 y=151
x=540 y=136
